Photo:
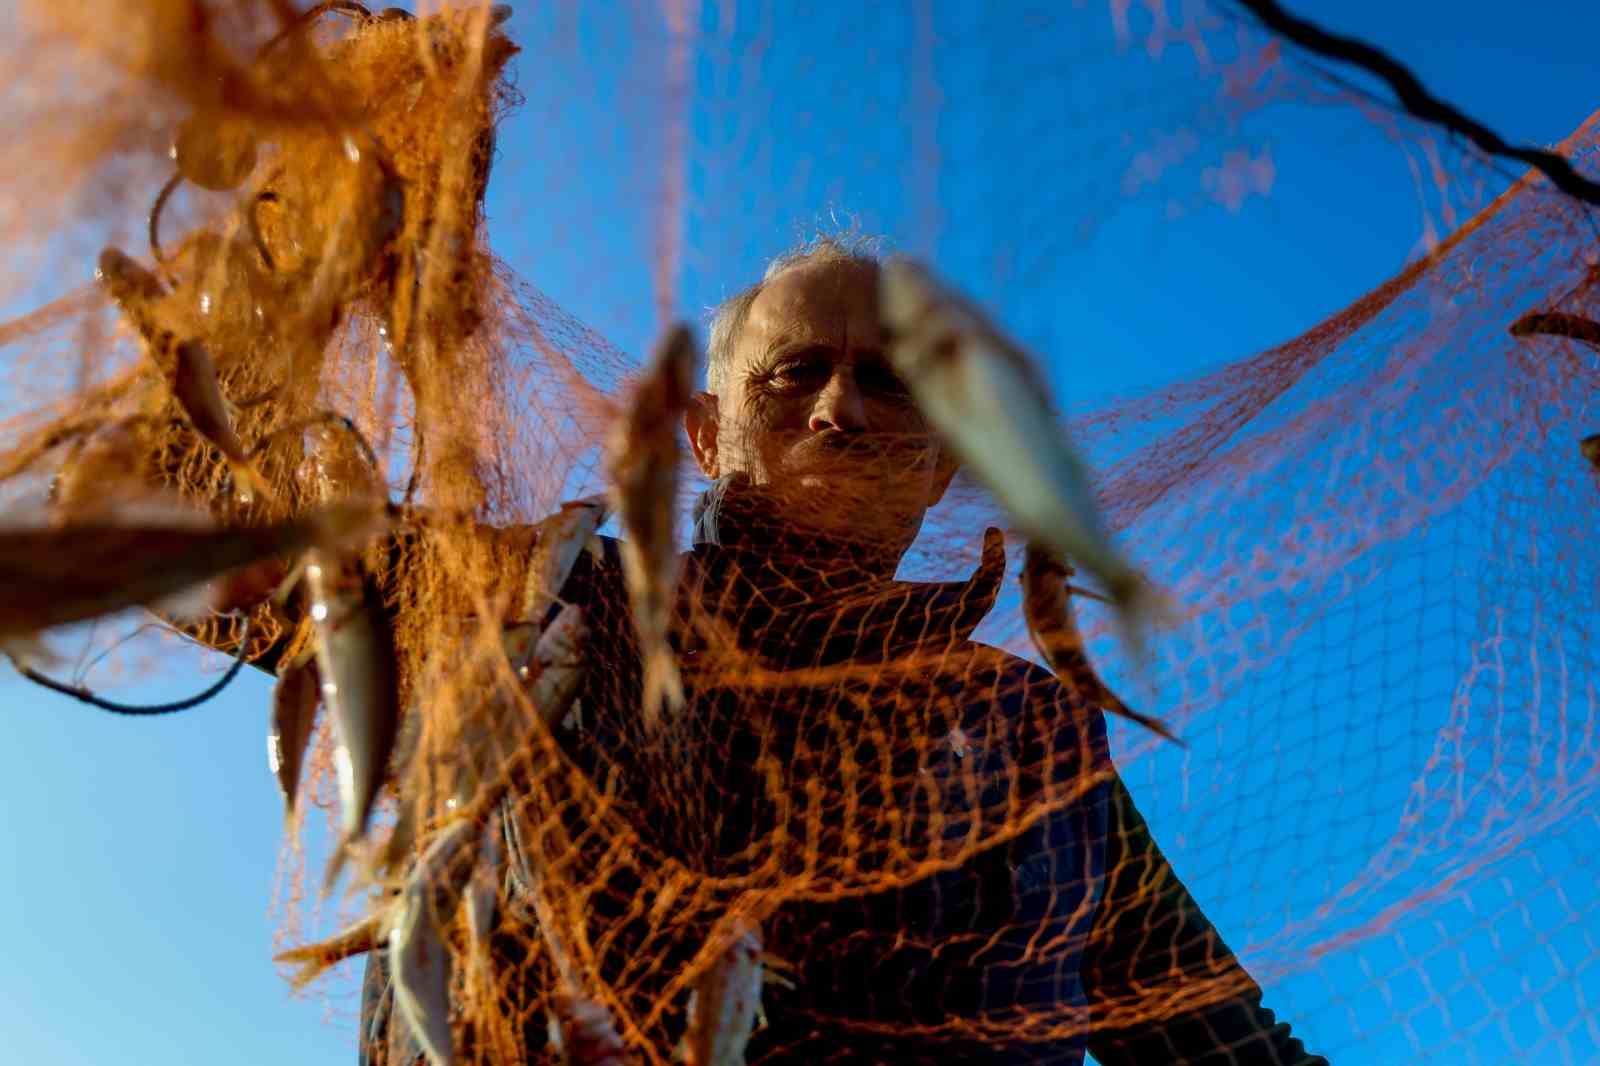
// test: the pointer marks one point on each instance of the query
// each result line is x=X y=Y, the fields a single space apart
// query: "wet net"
x=871 y=794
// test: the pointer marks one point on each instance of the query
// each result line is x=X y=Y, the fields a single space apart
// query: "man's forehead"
x=823 y=300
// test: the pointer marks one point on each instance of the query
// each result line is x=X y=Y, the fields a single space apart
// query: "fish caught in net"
x=836 y=783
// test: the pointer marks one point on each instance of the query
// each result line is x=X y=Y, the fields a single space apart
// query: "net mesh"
x=1373 y=533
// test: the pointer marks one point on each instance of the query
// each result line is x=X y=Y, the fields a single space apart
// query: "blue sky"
x=144 y=852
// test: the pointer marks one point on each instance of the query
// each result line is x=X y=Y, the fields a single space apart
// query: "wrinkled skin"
x=810 y=408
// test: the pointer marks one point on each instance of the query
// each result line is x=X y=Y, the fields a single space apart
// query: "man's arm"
x=1151 y=954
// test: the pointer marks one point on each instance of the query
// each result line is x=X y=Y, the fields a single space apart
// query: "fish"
x=357 y=663
x=643 y=457
x=554 y=672
x=981 y=393
x=726 y=1000
x=483 y=894
x=419 y=956
x=582 y=1033
x=1048 y=611
x=294 y=712
x=193 y=380
x=57 y=574
x=561 y=538
x=358 y=938
x=1557 y=324
x=1590 y=447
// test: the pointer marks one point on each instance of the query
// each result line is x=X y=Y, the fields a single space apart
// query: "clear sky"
x=143 y=853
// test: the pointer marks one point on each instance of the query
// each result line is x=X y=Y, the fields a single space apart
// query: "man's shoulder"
x=1019 y=685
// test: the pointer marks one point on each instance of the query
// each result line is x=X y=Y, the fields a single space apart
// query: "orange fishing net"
x=1373 y=537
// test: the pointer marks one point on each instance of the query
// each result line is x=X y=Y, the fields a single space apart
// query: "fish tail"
x=312 y=961
x=336 y=863
x=1115 y=705
x=1156 y=725
x=663 y=687
x=248 y=482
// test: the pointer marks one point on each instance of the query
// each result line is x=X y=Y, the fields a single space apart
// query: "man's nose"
x=838 y=406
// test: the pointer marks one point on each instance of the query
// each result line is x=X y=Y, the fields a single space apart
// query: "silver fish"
x=193 y=375
x=725 y=1001
x=561 y=538
x=981 y=393
x=57 y=574
x=554 y=672
x=356 y=661
x=357 y=939
x=294 y=711
x=483 y=893
x=643 y=460
x=582 y=1033
x=1048 y=611
x=419 y=957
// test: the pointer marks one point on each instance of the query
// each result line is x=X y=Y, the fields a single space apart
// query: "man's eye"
x=802 y=373
x=877 y=377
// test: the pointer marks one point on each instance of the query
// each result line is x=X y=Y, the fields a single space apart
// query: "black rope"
x=323 y=418
x=155 y=215
x=1416 y=99
x=83 y=695
x=311 y=14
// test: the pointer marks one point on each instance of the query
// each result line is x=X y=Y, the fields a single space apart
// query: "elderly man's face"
x=809 y=407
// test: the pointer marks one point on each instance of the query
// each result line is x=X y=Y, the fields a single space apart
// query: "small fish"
x=582 y=1033
x=193 y=375
x=294 y=712
x=644 y=456
x=483 y=894
x=725 y=1001
x=561 y=538
x=395 y=854
x=357 y=939
x=58 y=574
x=555 y=670
x=1590 y=447
x=1048 y=610
x=419 y=956
x=1557 y=324
x=356 y=660
x=982 y=394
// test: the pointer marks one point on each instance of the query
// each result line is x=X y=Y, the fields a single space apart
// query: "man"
x=979 y=885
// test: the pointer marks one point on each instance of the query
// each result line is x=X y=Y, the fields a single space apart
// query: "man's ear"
x=944 y=471
x=700 y=423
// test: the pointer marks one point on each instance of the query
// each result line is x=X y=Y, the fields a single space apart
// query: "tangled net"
x=1373 y=534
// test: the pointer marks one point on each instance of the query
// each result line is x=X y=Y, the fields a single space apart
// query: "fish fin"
x=30 y=652
x=248 y=482
x=663 y=687
x=336 y=864
x=316 y=959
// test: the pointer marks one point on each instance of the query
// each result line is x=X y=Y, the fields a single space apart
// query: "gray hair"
x=728 y=317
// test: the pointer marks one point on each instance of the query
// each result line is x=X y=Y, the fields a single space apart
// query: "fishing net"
x=1372 y=534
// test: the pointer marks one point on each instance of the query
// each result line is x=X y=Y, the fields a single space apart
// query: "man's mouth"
x=856 y=456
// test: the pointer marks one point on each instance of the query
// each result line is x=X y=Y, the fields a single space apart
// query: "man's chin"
x=869 y=510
